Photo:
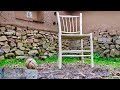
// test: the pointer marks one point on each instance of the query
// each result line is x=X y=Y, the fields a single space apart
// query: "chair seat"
x=74 y=36
x=75 y=51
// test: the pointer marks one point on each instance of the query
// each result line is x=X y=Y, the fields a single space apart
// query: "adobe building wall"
x=92 y=20
x=41 y=38
x=48 y=16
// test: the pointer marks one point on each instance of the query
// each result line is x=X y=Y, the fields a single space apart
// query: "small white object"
x=29 y=14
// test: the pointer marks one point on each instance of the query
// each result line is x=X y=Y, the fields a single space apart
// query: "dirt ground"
x=76 y=71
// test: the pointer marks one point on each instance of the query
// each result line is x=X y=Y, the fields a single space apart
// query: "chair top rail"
x=69 y=16
x=70 y=32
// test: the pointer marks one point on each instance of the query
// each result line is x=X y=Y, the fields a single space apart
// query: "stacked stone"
x=107 y=42
x=22 y=42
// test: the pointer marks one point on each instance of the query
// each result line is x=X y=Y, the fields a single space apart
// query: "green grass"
x=9 y=62
x=113 y=62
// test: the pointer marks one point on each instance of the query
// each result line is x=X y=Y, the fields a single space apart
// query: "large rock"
x=18 y=28
x=106 y=51
x=114 y=53
x=114 y=38
x=1 y=73
x=46 y=53
x=8 y=26
x=19 y=44
x=106 y=46
x=11 y=40
x=13 y=27
x=1 y=33
x=2 y=57
x=33 y=52
x=118 y=42
x=50 y=54
x=112 y=46
x=36 y=40
x=19 y=52
x=38 y=36
x=22 y=48
x=43 y=57
x=6 y=48
x=35 y=31
x=10 y=33
x=51 y=48
x=45 y=46
x=100 y=39
x=35 y=44
x=14 y=37
x=31 y=74
x=31 y=63
x=30 y=40
x=9 y=55
x=18 y=33
x=106 y=40
x=21 y=57
x=118 y=46
x=95 y=38
x=13 y=49
x=2 y=43
x=1 y=52
x=3 y=38
x=13 y=73
x=2 y=28
x=24 y=37
x=12 y=44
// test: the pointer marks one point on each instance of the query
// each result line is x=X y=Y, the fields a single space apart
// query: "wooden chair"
x=70 y=27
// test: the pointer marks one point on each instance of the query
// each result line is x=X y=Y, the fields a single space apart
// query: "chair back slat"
x=70 y=24
x=63 y=24
x=66 y=24
x=76 y=24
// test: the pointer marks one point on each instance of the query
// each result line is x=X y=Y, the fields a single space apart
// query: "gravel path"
x=68 y=71
x=72 y=71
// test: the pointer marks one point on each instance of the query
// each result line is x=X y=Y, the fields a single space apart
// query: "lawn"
x=113 y=62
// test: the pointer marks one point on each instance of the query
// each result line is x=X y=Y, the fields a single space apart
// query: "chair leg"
x=60 y=61
x=60 y=52
x=91 y=45
x=82 y=57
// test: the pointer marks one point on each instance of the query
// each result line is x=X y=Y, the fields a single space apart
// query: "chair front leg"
x=91 y=46
x=60 y=52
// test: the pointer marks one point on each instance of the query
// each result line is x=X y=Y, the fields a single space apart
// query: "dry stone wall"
x=21 y=42
x=106 y=42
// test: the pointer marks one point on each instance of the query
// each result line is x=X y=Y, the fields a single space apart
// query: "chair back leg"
x=82 y=57
x=91 y=45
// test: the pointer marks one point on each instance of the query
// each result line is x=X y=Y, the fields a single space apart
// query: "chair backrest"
x=69 y=24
